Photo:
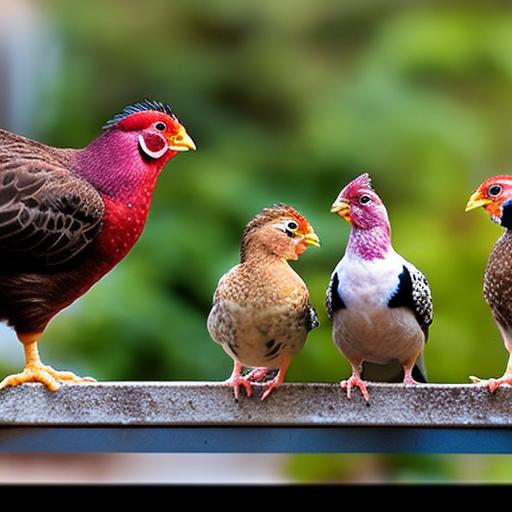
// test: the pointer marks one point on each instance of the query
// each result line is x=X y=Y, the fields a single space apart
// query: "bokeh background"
x=287 y=101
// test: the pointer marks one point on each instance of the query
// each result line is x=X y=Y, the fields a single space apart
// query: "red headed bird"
x=495 y=196
x=68 y=216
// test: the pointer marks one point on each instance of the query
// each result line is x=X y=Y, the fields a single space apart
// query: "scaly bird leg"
x=494 y=384
x=408 y=368
x=355 y=381
x=236 y=380
x=279 y=378
x=36 y=371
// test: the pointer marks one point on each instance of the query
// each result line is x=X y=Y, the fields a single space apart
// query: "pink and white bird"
x=379 y=303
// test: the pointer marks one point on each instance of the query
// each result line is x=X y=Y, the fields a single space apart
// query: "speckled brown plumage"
x=498 y=281
x=261 y=311
x=494 y=195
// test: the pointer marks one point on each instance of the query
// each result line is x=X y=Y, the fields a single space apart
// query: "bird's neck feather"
x=261 y=256
x=112 y=163
x=370 y=244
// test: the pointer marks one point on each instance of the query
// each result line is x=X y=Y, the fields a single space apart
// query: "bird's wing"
x=47 y=215
x=413 y=292
x=333 y=301
x=223 y=289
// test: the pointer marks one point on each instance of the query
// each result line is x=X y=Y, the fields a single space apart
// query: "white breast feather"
x=367 y=283
x=367 y=329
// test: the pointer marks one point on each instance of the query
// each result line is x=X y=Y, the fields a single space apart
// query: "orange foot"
x=355 y=381
x=493 y=384
x=45 y=374
x=235 y=381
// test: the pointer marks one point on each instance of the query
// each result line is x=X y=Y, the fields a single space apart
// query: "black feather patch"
x=336 y=300
x=142 y=106
x=402 y=298
x=413 y=292
x=417 y=375
x=506 y=214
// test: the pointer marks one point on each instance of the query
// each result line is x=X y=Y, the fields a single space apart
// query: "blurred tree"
x=288 y=101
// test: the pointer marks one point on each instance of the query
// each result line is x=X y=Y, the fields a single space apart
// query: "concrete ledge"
x=203 y=404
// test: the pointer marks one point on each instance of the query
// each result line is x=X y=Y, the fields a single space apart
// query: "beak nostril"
x=181 y=141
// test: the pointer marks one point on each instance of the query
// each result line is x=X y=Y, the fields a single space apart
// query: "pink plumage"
x=379 y=303
x=370 y=237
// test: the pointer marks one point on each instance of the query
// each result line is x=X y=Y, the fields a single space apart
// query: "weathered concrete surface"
x=210 y=404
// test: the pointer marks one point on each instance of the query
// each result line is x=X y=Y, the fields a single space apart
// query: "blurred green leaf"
x=288 y=102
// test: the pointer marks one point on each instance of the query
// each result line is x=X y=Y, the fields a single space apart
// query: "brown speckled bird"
x=261 y=312
x=495 y=196
x=68 y=216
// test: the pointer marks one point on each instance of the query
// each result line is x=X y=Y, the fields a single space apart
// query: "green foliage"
x=287 y=102
x=400 y=468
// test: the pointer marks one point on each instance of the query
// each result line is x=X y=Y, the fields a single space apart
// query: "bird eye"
x=365 y=199
x=161 y=126
x=290 y=228
x=494 y=190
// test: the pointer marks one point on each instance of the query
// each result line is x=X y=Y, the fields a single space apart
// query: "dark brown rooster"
x=68 y=216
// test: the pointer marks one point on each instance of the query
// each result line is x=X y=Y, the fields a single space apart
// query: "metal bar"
x=199 y=417
x=174 y=404
x=255 y=440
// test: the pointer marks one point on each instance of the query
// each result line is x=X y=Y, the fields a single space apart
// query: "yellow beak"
x=182 y=141
x=312 y=239
x=476 y=201
x=342 y=208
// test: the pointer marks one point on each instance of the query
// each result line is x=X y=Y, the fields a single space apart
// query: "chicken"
x=68 y=216
x=379 y=303
x=261 y=312
x=495 y=196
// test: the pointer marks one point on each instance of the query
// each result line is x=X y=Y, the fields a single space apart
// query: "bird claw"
x=45 y=375
x=492 y=384
x=237 y=382
x=273 y=384
x=63 y=376
x=355 y=381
